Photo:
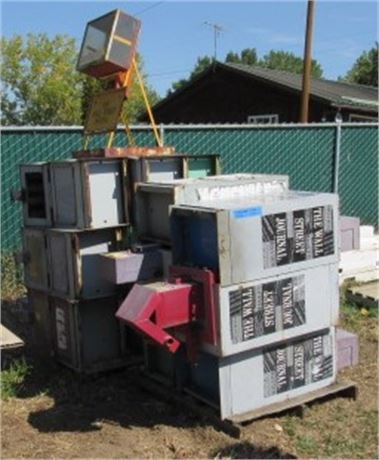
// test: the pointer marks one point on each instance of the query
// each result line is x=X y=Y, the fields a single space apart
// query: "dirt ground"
x=57 y=415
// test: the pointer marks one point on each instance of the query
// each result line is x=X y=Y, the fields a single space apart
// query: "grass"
x=13 y=379
x=344 y=428
x=12 y=286
x=340 y=428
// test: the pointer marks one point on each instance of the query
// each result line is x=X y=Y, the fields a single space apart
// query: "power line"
x=154 y=5
x=169 y=72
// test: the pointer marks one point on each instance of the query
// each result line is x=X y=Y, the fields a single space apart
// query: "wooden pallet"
x=9 y=340
x=366 y=295
x=343 y=389
x=234 y=425
x=11 y=347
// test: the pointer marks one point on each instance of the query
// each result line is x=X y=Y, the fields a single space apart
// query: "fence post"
x=161 y=131
x=337 y=155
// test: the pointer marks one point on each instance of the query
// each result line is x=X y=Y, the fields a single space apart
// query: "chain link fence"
x=315 y=157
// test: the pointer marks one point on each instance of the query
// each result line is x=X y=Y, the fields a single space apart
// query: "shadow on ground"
x=85 y=404
x=82 y=406
x=244 y=449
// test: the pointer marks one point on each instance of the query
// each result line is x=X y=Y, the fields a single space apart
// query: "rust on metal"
x=104 y=111
x=124 y=152
x=87 y=194
x=77 y=263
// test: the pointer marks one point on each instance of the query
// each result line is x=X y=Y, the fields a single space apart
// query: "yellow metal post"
x=148 y=108
x=110 y=139
x=86 y=142
x=128 y=131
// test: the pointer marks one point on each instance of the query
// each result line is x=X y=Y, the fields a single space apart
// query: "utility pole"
x=307 y=63
x=217 y=29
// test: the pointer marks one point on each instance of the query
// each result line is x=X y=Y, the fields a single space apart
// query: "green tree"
x=365 y=69
x=39 y=83
x=233 y=58
x=247 y=56
x=202 y=63
x=280 y=60
x=284 y=60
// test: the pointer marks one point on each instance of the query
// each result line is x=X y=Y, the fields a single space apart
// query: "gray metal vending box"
x=154 y=200
x=87 y=336
x=43 y=325
x=160 y=168
x=89 y=193
x=75 y=259
x=248 y=239
x=275 y=309
x=35 y=194
x=156 y=168
x=35 y=258
x=166 y=168
x=245 y=382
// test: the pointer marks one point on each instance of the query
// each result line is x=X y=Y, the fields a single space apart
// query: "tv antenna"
x=217 y=29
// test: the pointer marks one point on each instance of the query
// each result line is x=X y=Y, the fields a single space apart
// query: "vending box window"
x=109 y=44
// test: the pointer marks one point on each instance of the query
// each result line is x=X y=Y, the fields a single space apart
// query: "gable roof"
x=336 y=93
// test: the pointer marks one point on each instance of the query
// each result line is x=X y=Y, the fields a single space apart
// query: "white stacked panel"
x=275 y=309
x=153 y=200
x=257 y=238
x=251 y=380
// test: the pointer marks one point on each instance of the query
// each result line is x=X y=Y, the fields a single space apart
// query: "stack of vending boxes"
x=75 y=212
x=274 y=253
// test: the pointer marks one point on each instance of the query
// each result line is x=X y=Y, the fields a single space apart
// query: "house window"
x=263 y=119
x=357 y=117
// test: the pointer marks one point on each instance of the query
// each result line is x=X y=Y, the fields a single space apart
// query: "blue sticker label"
x=247 y=212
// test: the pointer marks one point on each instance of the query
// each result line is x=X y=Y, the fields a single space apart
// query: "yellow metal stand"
x=126 y=82
x=147 y=105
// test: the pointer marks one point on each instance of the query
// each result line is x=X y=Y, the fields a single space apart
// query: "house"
x=237 y=93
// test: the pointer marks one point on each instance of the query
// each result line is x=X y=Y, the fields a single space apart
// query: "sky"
x=174 y=33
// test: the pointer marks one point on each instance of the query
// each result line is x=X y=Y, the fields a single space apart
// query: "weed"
x=12 y=379
x=289 y=425
x=306 y=445
x=337 y=446
x=12 y=285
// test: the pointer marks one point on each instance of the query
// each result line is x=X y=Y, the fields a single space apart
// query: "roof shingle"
x=337 y=92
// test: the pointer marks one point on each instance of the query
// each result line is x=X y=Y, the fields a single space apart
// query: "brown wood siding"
x=222 y=96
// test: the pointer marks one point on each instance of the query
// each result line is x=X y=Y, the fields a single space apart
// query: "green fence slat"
x=306 y=154
x=358 y=177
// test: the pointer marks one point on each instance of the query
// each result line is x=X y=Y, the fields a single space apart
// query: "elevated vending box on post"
x=153 y=200
x=88 y=193
x=251 y=238
x=109 y=44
